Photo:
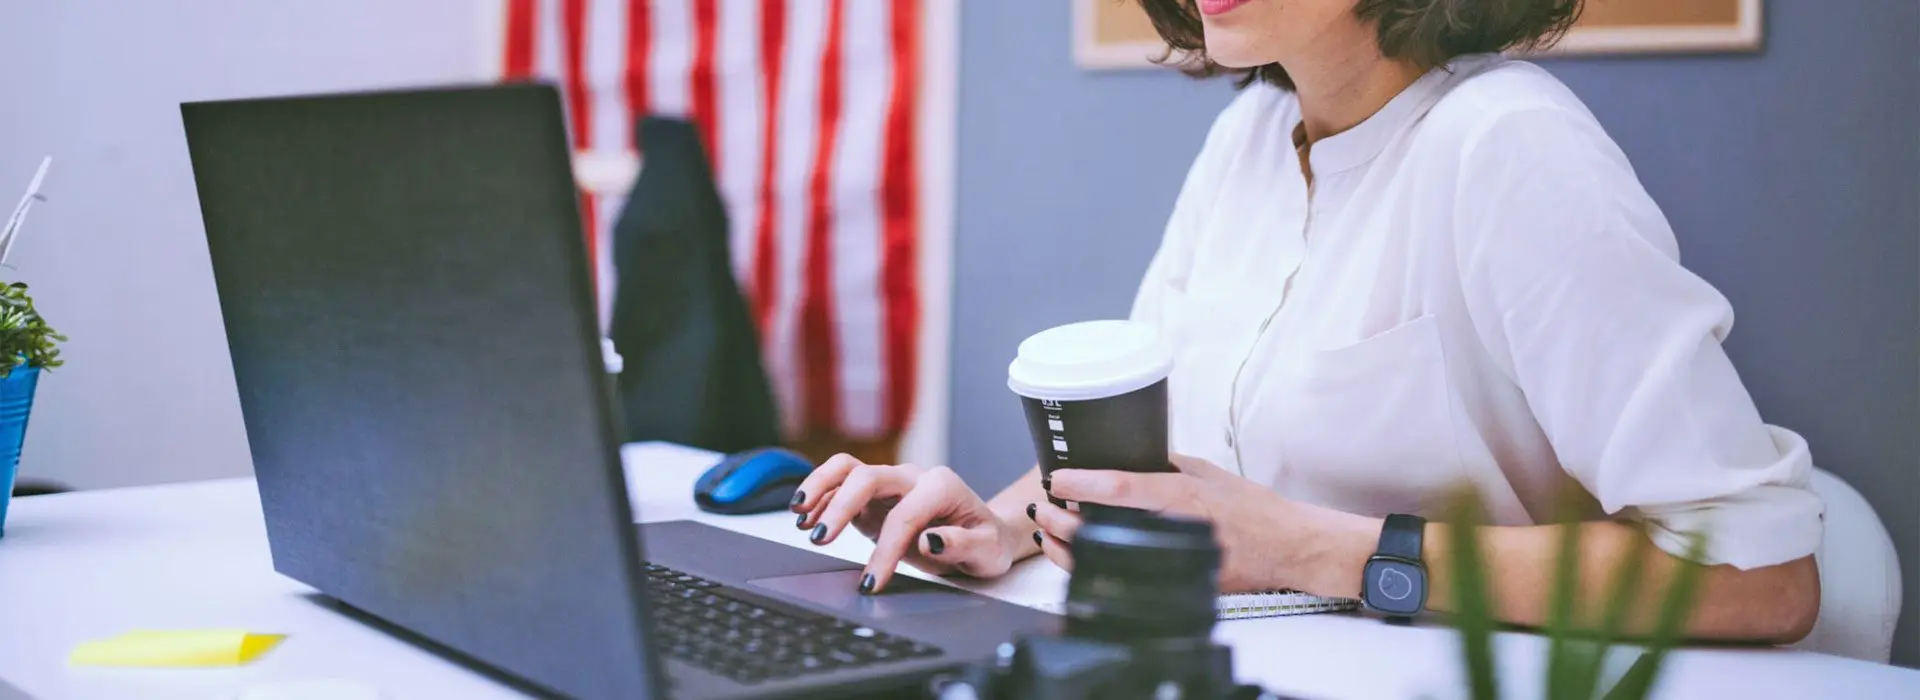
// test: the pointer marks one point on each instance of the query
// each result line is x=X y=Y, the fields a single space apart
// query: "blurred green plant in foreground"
x=1577 y=653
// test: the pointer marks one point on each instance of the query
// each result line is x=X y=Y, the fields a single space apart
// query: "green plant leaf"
x=1563 y=658
x=25 y=337
x=1474 y=615
x=1675 y=609
x=1623 y=597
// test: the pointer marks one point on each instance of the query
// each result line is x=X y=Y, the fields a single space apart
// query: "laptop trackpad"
x=840 y=590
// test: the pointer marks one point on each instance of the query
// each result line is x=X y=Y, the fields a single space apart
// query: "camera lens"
x=1139 y=577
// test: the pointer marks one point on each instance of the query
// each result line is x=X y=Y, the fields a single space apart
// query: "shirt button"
x=1229 y=437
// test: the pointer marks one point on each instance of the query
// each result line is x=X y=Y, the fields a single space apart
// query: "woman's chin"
x=1236 y=55
x=1230 y=64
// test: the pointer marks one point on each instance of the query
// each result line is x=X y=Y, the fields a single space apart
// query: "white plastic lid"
x=1090 y=360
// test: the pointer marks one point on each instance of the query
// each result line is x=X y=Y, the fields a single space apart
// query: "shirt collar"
x=1356 y=146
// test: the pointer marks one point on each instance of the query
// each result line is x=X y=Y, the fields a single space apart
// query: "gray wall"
x=1058 y=168
x=1791 y=177
x=116 y=256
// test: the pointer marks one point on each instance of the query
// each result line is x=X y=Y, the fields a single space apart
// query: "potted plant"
x=1578 y=649
x=27 y=346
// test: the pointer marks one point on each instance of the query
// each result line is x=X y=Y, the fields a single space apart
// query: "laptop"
x=408 y=305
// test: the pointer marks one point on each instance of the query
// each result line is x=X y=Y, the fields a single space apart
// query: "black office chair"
x=691 y=353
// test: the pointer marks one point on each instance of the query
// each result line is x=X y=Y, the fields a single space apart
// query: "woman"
x=1400 y=262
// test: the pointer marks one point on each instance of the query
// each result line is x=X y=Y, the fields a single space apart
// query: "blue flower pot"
x=16 y=401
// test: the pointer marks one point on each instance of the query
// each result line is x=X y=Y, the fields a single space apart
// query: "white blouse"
x=1474 y=288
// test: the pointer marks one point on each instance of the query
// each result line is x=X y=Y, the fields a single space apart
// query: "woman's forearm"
x=1774 y=604
x=1010 y=505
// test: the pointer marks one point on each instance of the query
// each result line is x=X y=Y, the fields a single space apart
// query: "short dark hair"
x=1426 y=33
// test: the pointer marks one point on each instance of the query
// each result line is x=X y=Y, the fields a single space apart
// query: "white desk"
x=85 y=566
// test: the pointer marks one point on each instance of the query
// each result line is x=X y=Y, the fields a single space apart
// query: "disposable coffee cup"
x=1095 y=395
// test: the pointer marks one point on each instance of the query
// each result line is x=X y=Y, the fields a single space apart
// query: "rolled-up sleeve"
x=1574 y=283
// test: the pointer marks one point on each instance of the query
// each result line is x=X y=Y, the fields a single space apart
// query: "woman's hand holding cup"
x=924 y=516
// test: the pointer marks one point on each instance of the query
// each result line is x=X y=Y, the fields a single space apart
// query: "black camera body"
x=1140 y=616
x=1067 y=668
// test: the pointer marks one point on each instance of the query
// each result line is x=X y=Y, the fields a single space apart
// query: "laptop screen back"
x=408 y=304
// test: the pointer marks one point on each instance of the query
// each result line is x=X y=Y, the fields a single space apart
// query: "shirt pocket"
x=1368 y=427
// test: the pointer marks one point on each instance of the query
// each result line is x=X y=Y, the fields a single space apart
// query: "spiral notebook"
x=1240 y=606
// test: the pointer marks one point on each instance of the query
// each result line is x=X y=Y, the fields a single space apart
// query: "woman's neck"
x=1342 y=87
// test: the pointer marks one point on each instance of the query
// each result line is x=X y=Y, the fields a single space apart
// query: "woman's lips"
x=1212 y=8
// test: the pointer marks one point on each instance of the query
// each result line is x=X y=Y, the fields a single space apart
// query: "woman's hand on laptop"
x=925 y=516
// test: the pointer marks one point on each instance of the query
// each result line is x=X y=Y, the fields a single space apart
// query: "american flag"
x=811 y=111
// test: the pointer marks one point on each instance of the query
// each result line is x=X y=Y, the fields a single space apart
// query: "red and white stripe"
x=811 y=112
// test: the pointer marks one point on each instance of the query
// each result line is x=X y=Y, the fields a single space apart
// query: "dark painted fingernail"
x=935 y=544
x=802 y=522
x=1033 y=512
x=866 y=583
x=799 y=497
x=1046 y=483
x=819 y=533
x=1036 y=539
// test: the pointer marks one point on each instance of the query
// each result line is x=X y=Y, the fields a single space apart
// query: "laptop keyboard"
x=702 y=623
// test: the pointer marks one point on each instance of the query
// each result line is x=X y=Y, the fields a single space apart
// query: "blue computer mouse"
x=756 y=481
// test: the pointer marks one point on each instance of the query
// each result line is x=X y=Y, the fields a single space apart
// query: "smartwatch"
x=1395 y=580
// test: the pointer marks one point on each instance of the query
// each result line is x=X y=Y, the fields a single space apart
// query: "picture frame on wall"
x=1115 y=34
x=1666 y=26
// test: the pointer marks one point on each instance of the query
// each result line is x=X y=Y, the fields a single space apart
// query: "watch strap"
x=1403 y=536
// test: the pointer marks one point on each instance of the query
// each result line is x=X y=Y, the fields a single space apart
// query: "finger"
x=1124 y=489
x=1056 y=551
x=1059 y=523
x=809 y=517
x=969 y=551
x=869 y=521
x=820 y=504
x=1195 y=467
x=864 y=485
x=926 y=501
x=824 y=478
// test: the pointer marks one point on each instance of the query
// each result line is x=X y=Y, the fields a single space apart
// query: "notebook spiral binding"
x=1241 y=606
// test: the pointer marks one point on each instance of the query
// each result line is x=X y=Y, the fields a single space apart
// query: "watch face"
x=1395 y=588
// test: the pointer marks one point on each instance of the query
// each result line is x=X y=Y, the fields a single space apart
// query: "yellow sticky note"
x=176 y=649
